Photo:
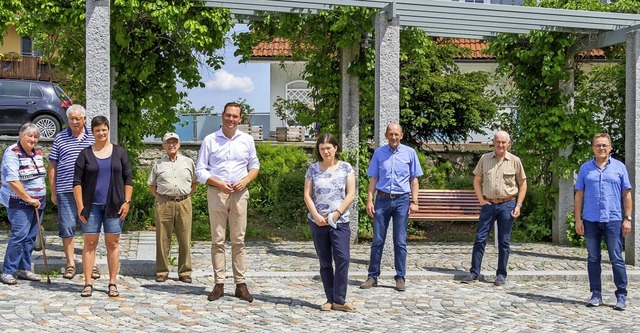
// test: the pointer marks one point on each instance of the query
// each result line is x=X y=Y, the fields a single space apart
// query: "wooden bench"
x=448 y=205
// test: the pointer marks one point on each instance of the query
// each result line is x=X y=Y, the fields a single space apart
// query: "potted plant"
x=291 y=112
x=12 y=56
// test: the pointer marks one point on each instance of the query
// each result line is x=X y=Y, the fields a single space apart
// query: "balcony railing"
x=26 y=68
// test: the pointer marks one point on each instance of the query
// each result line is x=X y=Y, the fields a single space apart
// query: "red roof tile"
x=280 y=47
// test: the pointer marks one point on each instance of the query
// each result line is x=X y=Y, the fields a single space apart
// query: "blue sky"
x=233 y=81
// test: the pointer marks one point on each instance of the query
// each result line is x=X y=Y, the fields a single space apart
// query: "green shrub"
x=275 y=161
x=289 y=208
x=140 y=215
x=200 y=228
x=534 y=225
x=572 y=236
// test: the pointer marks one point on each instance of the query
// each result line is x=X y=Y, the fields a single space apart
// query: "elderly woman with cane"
x=23 y=194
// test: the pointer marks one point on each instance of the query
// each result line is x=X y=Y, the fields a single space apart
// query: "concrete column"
x=564 y=200
x=350 y=123
x=387 y=74
x=387 y=103
x=632 y=147
x=98 y=52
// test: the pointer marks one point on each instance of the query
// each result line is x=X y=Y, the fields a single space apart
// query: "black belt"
x=389 y=195
x=174 y=198
x=500 y=200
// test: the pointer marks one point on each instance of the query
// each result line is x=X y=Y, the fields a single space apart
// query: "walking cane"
x=44 y=253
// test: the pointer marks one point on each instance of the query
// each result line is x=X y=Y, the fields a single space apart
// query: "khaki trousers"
x=173 y=216
x=232 y=209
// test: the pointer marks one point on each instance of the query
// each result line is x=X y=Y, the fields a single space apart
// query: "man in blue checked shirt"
x=601 y=189
x=394 y=170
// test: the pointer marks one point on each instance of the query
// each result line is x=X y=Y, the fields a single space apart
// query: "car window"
x=63 y=96
x=15 y=89
x=35 y=91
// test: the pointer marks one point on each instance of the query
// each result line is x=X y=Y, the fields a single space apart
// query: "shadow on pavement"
x=65 y=287
x=182 y=289
x=546 y=298
x=545 y=255
x=311 y=255
x=284 y=300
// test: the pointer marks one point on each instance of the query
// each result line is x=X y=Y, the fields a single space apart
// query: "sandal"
x=87 y=291
x=8 y=279
x=326 y=306
x=69 y=272
x=28 y=275
x=95 y=273
x=113 y=292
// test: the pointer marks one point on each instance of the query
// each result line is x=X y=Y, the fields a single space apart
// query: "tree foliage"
x=549 y=117
x=155 y=47
x=437 y=101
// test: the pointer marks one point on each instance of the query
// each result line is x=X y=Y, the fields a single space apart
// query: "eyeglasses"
x=601 y=146
x=171 y=143
x=76 y=118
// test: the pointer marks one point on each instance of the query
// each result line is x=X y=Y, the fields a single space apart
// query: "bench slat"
x=447 y=205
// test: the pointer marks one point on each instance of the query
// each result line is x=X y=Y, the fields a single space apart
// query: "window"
x=15 y=89
x=35 y=91
x=26 y=46
x=298 y=91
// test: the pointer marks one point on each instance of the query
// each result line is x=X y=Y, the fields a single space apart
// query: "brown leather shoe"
x=161 y=278
x=243 y=293
x=185 y=279
x=217 y=292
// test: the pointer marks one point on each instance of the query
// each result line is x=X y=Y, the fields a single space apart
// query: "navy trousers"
x=333 y=245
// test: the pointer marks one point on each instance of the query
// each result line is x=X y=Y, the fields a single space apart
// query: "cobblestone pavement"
x=545 y=292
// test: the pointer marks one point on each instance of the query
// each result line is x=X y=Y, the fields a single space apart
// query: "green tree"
x=155 y=47
x=437 y=101
x=537 y=65
x=8 y=10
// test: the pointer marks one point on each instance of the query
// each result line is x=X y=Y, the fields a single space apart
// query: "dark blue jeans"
x=333 y=245
x=611 y=231
x=24 y=228
x=501 y=213
x=386 y=208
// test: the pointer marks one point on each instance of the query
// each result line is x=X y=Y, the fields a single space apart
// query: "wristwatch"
x=628 y=218
x=414 y=202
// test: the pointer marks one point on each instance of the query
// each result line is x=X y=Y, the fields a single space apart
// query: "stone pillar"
x=564 y=200
x=350 y=123
x=632 y=147
x=387 y=103
x=98 y=52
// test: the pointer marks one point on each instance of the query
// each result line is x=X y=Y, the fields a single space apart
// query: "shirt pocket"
x=509 y=178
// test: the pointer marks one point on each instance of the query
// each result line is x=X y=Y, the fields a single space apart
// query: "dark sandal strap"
x=113 y=292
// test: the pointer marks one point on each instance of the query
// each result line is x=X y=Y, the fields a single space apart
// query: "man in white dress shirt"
x=227 y=163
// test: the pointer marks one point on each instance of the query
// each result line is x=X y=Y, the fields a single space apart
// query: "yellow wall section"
x=11 y=41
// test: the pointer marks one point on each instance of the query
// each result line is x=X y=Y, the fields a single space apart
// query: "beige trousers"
x=173 y=216
x=232 y=209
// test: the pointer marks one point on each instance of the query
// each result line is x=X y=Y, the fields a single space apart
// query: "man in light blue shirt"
x=394 y=170
x=602 y=185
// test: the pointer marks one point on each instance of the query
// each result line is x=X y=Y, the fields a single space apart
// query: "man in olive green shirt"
x=172 y=181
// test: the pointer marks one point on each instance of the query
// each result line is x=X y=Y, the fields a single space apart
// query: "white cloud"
x=226 y=81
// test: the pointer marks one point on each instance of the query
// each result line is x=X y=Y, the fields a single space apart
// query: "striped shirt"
x=499 y=176
x=64 y=152
x=29 y=170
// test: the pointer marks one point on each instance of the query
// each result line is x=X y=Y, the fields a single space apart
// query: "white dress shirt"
x=228 y=160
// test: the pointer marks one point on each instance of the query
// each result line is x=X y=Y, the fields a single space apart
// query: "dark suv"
x=43 y=103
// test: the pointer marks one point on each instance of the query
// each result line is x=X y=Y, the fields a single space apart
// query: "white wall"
x=280 y=76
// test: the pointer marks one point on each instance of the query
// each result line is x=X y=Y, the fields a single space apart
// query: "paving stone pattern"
x=545 y=292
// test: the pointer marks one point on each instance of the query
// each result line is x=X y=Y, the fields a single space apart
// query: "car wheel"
x=48 y=125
